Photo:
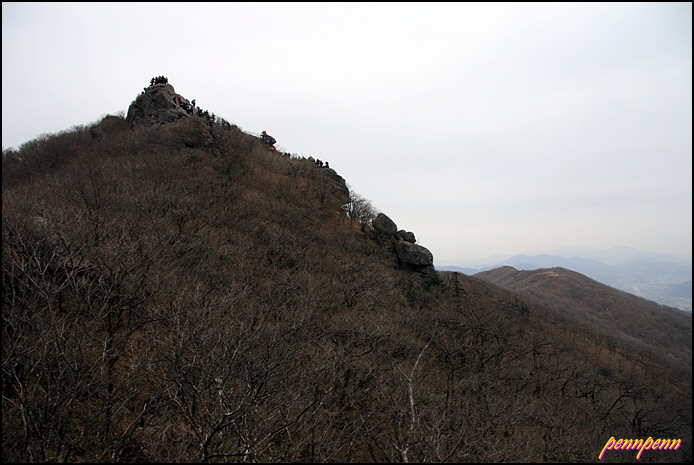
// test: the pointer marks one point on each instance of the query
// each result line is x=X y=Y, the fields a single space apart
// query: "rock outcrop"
x=384 y=225
x=409 y=254
x=413 y=254
x=157 y=104
x=338 y=187
x=406 y=236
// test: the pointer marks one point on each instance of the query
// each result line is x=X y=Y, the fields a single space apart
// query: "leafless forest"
x=180 y=293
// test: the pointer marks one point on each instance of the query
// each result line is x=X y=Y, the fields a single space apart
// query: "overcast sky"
x=483 y=128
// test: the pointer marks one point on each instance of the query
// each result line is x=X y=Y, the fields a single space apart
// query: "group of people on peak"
x=205 y=114
x=159 y=80
x=322 y=164
x=190 y=109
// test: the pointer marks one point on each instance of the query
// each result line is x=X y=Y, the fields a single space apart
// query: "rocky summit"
x=157 y=104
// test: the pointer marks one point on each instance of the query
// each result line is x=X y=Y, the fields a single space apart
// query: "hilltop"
x=177 y=291
x=658 y=277
x=640 y=329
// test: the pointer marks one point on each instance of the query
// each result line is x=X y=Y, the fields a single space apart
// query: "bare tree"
x=360 y=210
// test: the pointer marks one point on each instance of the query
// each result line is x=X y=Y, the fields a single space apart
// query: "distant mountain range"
x=659 y=277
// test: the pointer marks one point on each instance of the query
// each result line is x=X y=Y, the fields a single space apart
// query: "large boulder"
x=406 y=236
x=409 y=255
x=156 y=104
x=384 y=225
x=413 y=254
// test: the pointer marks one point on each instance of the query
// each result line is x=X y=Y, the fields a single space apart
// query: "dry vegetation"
x=655 y=337
x=182 y=294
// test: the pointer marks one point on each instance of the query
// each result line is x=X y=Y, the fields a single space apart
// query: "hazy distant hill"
x=623 y=316
x=684 y=290
x=640 y=273
x=174 y=290
x=615 y=255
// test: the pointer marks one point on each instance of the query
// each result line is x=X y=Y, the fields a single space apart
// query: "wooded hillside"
x=181 y=293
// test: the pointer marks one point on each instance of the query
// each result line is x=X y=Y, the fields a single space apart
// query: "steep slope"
x=631 y=325
x=179 y=292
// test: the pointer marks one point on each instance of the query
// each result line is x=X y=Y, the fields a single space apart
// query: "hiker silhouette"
x=268 y=139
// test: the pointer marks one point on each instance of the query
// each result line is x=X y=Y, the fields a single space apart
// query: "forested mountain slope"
x=628 y=323
x=180 y=292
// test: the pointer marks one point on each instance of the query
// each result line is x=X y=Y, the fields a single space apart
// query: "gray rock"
x=413 y=254
x=338 y=187
x=155 y=105
x=384 y=225
x=406 y=236
x=167 y=116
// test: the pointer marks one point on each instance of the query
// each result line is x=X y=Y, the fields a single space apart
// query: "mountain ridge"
x=585 y=298
x=639 y=276
x=175 y=290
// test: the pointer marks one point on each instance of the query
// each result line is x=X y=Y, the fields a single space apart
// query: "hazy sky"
x=483 y=128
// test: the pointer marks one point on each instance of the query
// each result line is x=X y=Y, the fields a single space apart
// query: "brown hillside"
x=622 y=322
x=178 y=292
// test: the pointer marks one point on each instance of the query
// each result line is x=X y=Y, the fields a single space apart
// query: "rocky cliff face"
x=157 y=104
x=338 y=189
